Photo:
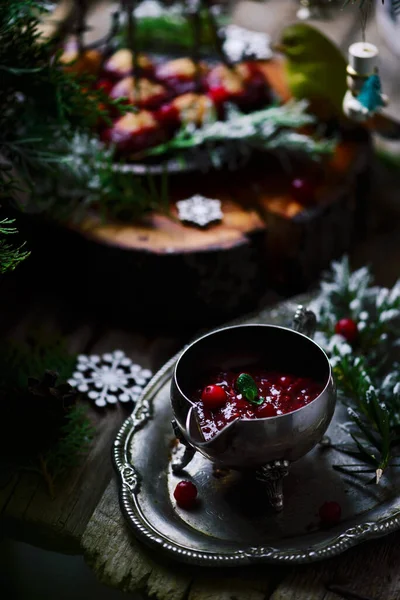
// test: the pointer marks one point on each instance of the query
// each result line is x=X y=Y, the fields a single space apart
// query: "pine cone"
x=47 y=389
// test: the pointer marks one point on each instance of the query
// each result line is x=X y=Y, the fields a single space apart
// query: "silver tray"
x=232 y=524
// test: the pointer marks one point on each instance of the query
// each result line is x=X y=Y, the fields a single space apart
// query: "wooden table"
x=85 y=516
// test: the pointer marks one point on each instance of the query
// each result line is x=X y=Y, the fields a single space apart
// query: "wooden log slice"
x=162 y=269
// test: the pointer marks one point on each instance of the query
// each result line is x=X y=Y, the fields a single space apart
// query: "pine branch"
x=10 y=255
x=54 y=430
x=41 y=351
x=367 y=376
x=46 y=124
x=260 y=130
x=74 y=441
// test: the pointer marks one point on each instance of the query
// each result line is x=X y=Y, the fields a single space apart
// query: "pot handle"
x=304 y=321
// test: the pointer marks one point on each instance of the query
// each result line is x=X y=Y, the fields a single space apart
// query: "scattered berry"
x=213 y=396
x=330 y=513
x=347 y=328
x=185 y=494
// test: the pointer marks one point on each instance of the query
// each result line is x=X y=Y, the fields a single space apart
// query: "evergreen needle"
x=367 y=374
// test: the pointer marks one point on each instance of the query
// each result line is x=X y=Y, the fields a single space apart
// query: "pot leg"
x=181 y=459
x=272 y=476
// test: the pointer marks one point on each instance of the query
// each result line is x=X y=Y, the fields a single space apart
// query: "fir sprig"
x=74 y=441
x=47 y=118
x=53 y=428
x=34 y=82
x=10 y=255
x=265 y=129
x=367 y=375
x=40 y=351
x=80 y=174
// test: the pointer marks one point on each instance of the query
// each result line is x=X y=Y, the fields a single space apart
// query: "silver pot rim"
x=328 y=382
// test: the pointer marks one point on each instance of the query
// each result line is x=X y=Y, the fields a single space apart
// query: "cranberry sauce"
x=221 y=398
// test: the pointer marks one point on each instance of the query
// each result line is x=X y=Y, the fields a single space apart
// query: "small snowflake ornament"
x=109 y=378
x=199 y=210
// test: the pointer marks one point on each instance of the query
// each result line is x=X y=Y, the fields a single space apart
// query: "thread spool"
x=363 y=58
x=363 y=62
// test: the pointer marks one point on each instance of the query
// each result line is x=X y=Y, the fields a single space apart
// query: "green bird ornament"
x=316 y=71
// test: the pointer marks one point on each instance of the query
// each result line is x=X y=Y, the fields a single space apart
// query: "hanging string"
x=365 y=12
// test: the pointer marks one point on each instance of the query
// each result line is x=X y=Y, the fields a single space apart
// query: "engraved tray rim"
x=129 y=480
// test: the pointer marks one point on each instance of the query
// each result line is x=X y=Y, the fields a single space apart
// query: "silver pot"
x=266 y=445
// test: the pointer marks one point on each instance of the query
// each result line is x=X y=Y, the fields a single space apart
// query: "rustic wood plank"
x=27 y=511
x=246 y=584
x=371 y=570
x=302 y=586
x=119 y=560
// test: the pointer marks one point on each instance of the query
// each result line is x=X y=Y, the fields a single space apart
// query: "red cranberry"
x=185 y=494
x=213 y=396
x=104 y=84
x=303 y=191
x=241 y=405
x=266 y=410
x=347 y=328
x=330 y=513
x=285 y=381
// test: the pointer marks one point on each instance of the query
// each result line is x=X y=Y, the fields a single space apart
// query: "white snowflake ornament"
x=199 y=210
x=109 y=378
